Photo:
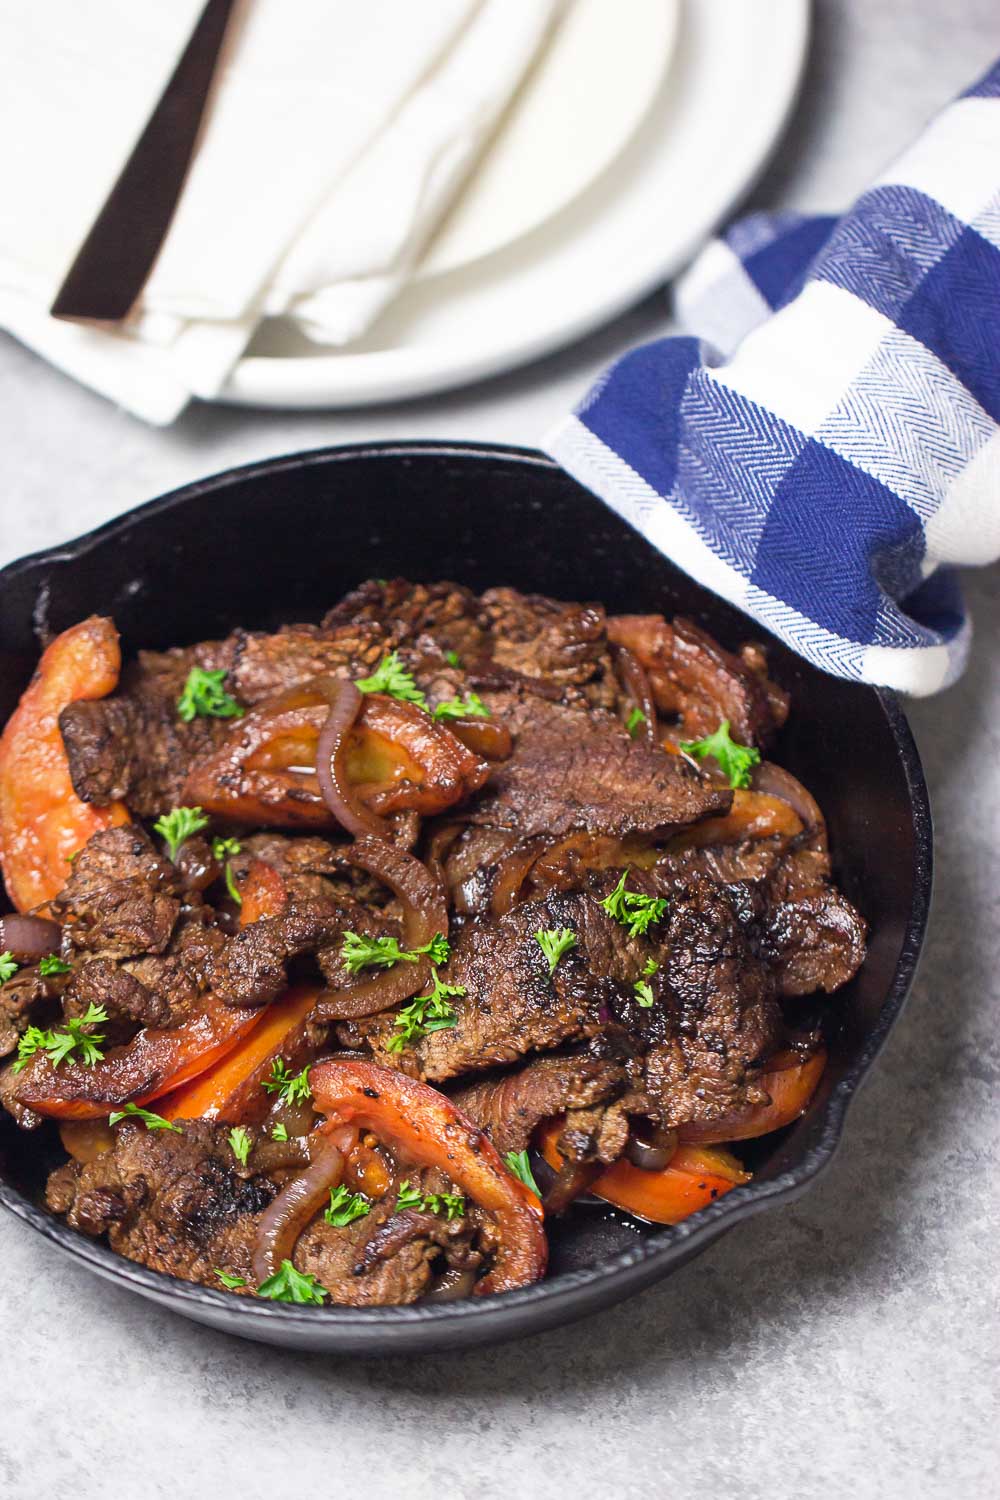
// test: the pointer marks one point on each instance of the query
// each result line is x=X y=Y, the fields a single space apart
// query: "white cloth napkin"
x=338 y=134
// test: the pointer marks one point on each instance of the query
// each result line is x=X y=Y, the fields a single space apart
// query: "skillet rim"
x=571 y=1294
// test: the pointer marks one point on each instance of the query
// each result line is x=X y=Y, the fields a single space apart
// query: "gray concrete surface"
x=846 y=1346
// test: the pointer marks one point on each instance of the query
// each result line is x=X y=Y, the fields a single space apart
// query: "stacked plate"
x=626 y=146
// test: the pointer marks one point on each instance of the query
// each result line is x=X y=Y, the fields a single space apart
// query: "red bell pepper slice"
x=423 y=1128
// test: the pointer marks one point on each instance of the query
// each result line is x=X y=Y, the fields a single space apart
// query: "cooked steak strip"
x=183 y=1204
x=133 y=746
x=576 y=769
x=120 y=899
x=177 y=1203
x=509 y=1108
x=512 y=1005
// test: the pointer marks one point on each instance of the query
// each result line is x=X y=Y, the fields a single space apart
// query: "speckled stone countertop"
x=843 y=1346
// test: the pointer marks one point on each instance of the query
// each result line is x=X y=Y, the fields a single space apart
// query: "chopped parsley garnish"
x=425 y=1014
x=8 y=966
x=292 y=1088
x=229 y=1281
x=643 y=989
x=453 y=659
x=53 y=964
x=637 y=913
x=223 y=848
x=151 y=1121
x=179 y=824
x=471 y=707
x=735 y=760
x=345 y=1207
x=554 y=942
x=635 y=721
x=289 y=1285
x=519 y=1164
x=390 y=676
x=204 y=696
x=60 y=1045
x=231 y=886
x=360 y=952
x=280 y=1132
x=240 y=1143
x=451 y=1205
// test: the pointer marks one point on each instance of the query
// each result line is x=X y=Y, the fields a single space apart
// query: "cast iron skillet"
x=284 y=539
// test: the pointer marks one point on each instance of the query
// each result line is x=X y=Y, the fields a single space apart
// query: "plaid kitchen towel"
x=825 y=446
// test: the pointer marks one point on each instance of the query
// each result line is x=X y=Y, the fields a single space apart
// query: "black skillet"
x=284 y=539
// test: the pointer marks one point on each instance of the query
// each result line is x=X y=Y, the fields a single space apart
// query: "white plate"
x=569 y=120
x=723 y=105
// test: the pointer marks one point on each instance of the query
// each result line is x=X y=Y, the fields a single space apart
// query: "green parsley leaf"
x=8 y=966
x=203 y=695
x=425 y=1014
x=60 y=1045
x=240 y=1143
x=151 y=1121
x=637 y=913
x=53 y=964
x=179 y=824
x=472 y=707
x=519 y=1164
x=735 y=760
x=451 y=1205
x=408 y=1197
x=635 y=721
x=361 y=952
x=650 y=966
x=345 y=1207
x=280 y=1132
x=453 y=659
x=231 y=885
x=643 y=993
x=554 y=942
x=390 y=676
x=32 y=1041
x=229 y=1281
x=290 y=1285
x=292 y=1088
x=222 y=848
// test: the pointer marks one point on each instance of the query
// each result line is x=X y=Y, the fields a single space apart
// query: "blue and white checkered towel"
x=827 y=446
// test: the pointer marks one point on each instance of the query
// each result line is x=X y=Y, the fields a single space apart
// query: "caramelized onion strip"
x=345 y=704
x=513 y=871
x=425 y=913
x=29 y=938
x=299 y=1201
x=634 y=679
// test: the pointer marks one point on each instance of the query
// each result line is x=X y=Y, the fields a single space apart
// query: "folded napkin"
x=336 y=137
x=826 y=445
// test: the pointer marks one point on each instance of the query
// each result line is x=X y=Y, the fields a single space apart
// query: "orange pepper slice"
x=233 y=1088
x=694 y=1177
x=43 y=823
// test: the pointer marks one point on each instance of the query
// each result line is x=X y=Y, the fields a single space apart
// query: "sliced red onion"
x=651 y=1155
x=775 y=781
x=299 y=1201
x=345 y=704
x=573 y=1178
x=452 y=1285
x=425 y=913
x=486 y=737
x=513 y=870
x=635 y=681
x=29 y=938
